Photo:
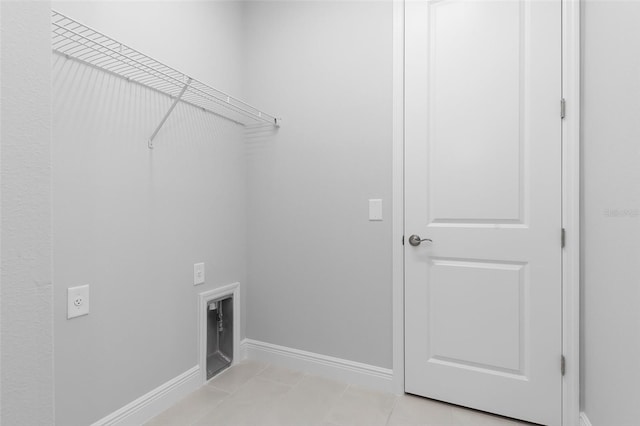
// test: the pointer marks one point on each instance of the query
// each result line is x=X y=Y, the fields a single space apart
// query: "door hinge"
x=563 y=365
x=563 y=238
x=563 y=108
x=403 y=240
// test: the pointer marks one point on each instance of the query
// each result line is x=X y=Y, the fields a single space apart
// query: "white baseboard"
x=584 y=420
x=352 y=372
x=154 y=402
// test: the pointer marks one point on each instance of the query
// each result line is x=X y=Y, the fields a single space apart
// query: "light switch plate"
x=375 y=209
x=77 y=301
x=198 y=273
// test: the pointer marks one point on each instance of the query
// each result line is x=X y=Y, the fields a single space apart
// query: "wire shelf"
x=77 y=41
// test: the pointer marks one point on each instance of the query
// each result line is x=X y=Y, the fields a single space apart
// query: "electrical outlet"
x=198 y=273
x=77 y=301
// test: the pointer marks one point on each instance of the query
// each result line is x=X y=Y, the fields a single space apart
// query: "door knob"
x=415 y=240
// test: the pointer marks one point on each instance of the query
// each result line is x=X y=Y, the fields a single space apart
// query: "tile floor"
x=256 y=394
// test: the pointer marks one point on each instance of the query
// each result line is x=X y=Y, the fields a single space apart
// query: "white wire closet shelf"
x=77 y=41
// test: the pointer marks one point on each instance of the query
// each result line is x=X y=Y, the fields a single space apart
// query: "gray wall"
x=319 y=271
x=131 y=222
x=26 y=294
x=611 y=212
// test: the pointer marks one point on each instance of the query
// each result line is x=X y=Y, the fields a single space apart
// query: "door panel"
x=482 y=180
x=460 y=331
x=474 y=72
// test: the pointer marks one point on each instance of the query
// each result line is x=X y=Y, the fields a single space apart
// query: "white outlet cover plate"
x=198 y=273
x=77 y=301
x=375 y=209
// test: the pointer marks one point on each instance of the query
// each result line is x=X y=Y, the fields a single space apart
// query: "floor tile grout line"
x=283 y=383
x=266 y=365
x=229 y=394
x=242 y=385
x=332 y=407
x=186 y=397
x=299 y=381
x=395 y=404
x=207 y=411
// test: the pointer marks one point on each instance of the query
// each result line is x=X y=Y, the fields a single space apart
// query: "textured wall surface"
x=611 y=213
x=130 y=221
x=319 y=270
x=26 y=295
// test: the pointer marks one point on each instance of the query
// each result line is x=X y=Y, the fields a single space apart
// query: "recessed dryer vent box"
x=219 y=335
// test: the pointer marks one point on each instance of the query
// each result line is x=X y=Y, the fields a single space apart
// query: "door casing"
x=570 y=205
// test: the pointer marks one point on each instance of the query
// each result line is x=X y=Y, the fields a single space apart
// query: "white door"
x=483 y=181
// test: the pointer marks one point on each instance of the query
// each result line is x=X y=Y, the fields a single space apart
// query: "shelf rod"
x=175 y=102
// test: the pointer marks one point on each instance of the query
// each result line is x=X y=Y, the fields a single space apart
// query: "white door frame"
x=570 y=205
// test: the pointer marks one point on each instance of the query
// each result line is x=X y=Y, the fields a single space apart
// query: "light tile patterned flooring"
x=257 y=394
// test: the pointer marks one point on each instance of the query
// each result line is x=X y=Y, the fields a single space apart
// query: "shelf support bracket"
x=175 y=102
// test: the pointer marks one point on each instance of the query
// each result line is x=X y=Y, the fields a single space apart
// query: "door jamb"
x=571 y=210
x=570 y=205
x=397 y=190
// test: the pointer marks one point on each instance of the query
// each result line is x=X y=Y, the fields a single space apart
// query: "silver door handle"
x=415 y=240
